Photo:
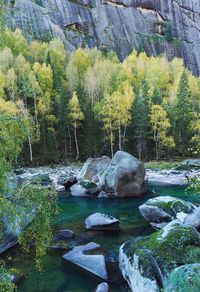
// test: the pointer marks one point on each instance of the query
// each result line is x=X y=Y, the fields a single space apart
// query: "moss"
x=88 y=185
x=184 y=279
x=178 y=247
x=172 y=207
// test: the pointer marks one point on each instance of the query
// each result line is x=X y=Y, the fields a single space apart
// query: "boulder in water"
x=161 y=210
x=94 y=264
x=124 y=175
x=145 y=263
x=102 y=222
x=64 y=234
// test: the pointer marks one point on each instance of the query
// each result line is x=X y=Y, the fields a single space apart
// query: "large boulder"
x=124 y=176
x=184 y=279
x=92 y=263
x=92 y=167
x=102 y=222
x=146 y=263
x=161 y=210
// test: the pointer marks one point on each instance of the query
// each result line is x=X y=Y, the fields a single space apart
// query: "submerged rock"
x=103 y=287
x=184 y=279
x=94 y=264
x=102 y=222
x=146 y=263
x=64 y=234
x=161 y=210
x=124 y=175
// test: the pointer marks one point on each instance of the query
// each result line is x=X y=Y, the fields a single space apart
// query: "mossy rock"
x=160 y=211
x=184 y=279
x=88 y=184
x=171 y=205
x=155 y=256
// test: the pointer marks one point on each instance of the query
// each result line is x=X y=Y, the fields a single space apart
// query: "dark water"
x=57 y=276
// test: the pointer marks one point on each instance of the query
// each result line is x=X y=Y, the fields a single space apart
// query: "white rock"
x=94 y=264
x=100 y=221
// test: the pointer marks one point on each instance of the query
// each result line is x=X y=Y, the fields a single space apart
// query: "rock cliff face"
x=154 y=26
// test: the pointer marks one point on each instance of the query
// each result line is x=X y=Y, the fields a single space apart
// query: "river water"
x=57 y=275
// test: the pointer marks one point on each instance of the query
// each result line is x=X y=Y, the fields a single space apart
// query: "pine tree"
x=183 y=117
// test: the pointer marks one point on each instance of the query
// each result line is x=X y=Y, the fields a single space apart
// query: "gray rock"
x=103 y=287
x=167 y=178
x=190 y=164
x=103 y=195
x=101 y=222
x=124 y=175
x=146 y=263
x=161 y=210
x=170 y=26
x=84 y=189
x=94 y=264
x=64 y=234
x=91 y=168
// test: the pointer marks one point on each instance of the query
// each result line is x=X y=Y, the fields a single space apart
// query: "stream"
x=57 y=275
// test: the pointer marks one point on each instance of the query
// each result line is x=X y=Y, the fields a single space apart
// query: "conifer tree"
x=183 y=117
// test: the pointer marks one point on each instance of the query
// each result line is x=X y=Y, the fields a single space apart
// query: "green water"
x=57 y=276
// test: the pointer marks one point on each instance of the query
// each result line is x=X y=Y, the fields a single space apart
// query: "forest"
x=88 y=103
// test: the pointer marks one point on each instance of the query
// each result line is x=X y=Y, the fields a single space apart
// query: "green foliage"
x=42 y=77
x=195 y=185
x=6 y=284
x=42 y=203
x=184 y=115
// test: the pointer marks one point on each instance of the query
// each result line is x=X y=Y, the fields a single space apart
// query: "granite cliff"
x=154 y=26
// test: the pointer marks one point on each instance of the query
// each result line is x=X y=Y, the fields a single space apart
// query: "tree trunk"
x=111 y=143
x=70 y=141
x=76 y=142
x=30 y=149
x=124 y=135
x=120 y=138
